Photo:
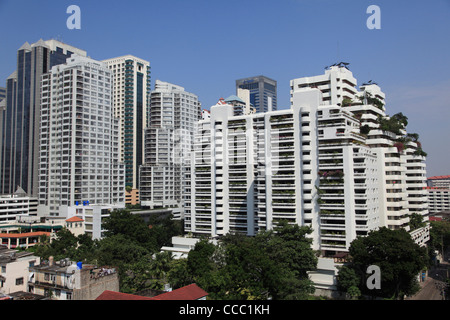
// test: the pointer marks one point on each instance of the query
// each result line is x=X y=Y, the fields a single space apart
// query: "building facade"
x=263 y=92
x=16 y=205
x=131 y=96
x=132 y=197
x=334 y=161
x=20 y=138
x=438 y=199
x=92 y=216
x=67 y=280
x=329 y=162
x=14 y=267
x=79 y=161
x=169 y=139
x=248 y=172
x=439 y=182
x=401 y=176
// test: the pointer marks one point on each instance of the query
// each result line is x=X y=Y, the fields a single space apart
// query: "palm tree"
x=159 y=267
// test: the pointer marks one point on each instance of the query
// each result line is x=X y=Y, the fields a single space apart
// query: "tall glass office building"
x=263 y=92
x=20 y=133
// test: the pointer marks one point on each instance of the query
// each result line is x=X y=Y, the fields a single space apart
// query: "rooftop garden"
x=393 y=124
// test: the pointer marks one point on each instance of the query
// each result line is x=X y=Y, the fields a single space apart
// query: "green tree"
x=401 y=119
x=159 y=268
x=65 y=244
x=394 y=124
x=42 y=249
x=178 y=275
x=136 y=275
x=291 y=246
x=200 y=263
x=164 y=228
x=416 y=221
x=271 y=264
x=252 y=273
x=86 y=250
x=365 y=129
x=117 y=250
x=122 y=252
x=347 y=278
x=399 y=258
x=353 y=292
x=413 y=136
x=131 y=227
x=439 y=236
x=146 y=272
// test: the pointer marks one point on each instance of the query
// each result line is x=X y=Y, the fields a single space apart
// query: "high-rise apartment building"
x=131 y=96
x=400 y=159
x=263 y=92
x=438 y=191
x=330 y=162
x=20 y=136
x=439 y=182
x=248 y=172
x=79 y=161
x=438 y=199
x=174 y=113
x=16 y=205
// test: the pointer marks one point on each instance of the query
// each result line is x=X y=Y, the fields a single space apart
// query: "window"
x=19 y=281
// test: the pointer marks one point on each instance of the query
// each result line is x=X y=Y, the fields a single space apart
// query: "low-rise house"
x=14 y=267
x=22 y=240
x=75 y=225
x=67 y=280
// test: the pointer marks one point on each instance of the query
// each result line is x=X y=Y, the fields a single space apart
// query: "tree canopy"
x=271 y=264
x=129 y=244
x=399 y=258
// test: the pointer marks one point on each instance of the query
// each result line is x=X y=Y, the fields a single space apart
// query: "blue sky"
x=205 y=46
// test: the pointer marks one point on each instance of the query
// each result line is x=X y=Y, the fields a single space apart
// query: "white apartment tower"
x=336 y=84
x=328 y=162
x=250 y=171
x=438 y=191
x=438 y=199
x=79 y=161
x=174 y=113
x=131 y=94
x=401 y=176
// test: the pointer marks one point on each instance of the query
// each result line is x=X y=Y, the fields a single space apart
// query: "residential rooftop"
x=189 y=292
